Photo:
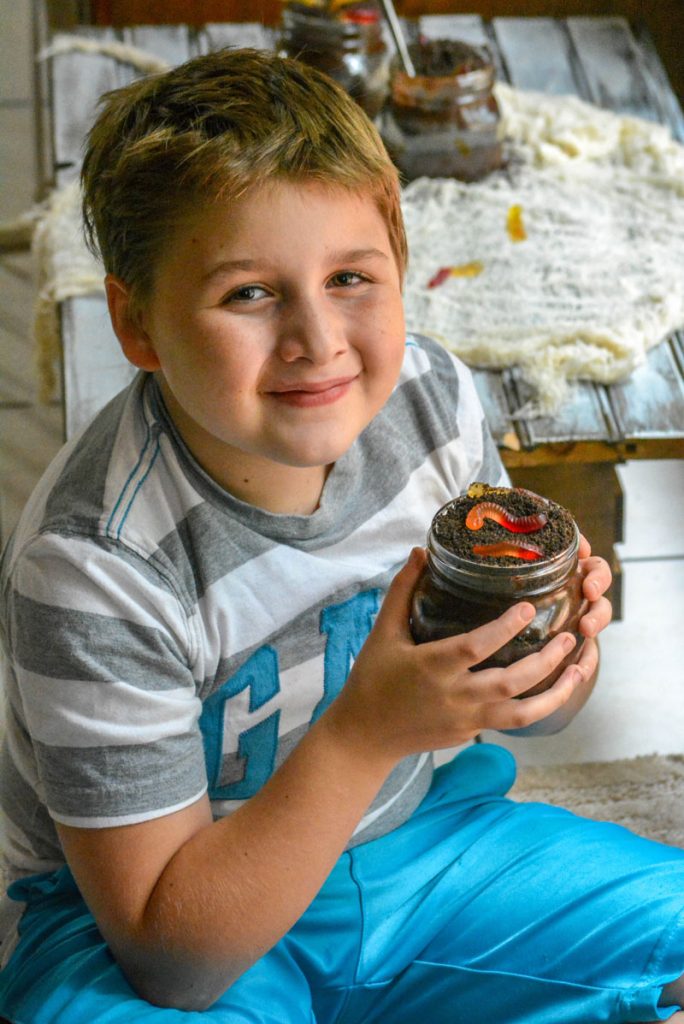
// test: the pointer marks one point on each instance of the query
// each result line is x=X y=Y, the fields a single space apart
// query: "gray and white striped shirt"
x=163 y=638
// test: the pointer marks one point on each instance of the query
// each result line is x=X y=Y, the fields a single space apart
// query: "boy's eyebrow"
x=342 y=256
x=352 y=255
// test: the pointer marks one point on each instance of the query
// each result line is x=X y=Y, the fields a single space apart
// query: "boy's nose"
x=311 y=330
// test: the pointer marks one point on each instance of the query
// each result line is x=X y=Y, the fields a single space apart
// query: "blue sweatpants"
x=476 y=909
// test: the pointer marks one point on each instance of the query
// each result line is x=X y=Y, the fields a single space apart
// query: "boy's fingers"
x=518 y=714
x=466 y=650
x=597 y=577
x=504 y=684
x=395 y=610
x=597 y=618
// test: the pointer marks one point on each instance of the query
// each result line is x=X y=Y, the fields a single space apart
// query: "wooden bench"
x=571 y=456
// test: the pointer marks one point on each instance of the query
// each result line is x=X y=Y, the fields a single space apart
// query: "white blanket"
x=599 y=276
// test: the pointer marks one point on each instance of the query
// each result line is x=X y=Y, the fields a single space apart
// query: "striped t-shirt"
x=164 y=638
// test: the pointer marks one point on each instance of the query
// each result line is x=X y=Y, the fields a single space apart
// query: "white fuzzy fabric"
x=598 y=280
x=646 y=794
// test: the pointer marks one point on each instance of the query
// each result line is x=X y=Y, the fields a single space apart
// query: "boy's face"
x=276 y=328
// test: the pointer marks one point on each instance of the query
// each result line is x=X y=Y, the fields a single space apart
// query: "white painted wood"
x=219 y=34
x=467 y=27
x=612 y=64
x=658 y=83
x=168 y=42
x=536 y=54
x=650 y=402
x=78 y=81
x=94 y=367
x=585 y=416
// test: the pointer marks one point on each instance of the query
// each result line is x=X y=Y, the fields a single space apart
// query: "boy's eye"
x=246 y=293
x=345 y=278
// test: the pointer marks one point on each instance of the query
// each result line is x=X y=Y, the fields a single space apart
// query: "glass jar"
x=455 y=595
x=444 y=122
x=347 y=44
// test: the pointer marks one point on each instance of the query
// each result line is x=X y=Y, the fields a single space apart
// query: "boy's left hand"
x=597 y=579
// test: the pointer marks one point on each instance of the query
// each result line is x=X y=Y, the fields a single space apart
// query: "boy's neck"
x=285 y=490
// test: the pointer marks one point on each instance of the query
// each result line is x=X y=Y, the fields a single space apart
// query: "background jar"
x=348 y=45
x=455 y=595
x=444 y=124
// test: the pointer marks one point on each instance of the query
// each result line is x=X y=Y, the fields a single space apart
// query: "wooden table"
x=571 y=456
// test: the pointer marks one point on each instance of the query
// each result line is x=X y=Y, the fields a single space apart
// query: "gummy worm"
x=472 y=269
x=516 y=524
x=440 y=277
x=511 y=549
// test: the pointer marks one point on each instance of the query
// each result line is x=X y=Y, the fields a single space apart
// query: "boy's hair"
x=209 y=130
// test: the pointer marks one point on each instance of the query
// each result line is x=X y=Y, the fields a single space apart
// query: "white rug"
x=646 y=794
x=593 y=276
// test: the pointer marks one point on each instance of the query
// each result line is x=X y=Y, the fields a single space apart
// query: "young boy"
x=216 y=775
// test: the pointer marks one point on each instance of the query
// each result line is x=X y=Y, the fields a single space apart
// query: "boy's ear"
x=133 y=338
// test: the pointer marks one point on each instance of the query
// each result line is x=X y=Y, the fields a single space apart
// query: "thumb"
x=393 y=617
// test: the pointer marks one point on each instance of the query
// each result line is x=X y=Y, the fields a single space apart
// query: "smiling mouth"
x=313 y=394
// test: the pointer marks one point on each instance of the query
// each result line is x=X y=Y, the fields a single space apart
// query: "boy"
x=217 y=778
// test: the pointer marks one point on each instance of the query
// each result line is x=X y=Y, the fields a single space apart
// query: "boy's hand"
x=402 y=697
x=597 y=579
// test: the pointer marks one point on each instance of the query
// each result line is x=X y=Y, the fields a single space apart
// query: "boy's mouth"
x=313 y=393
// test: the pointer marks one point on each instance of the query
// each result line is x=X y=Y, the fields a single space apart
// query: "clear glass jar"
x=444 y=123
x=455 y=595
x=348 y=45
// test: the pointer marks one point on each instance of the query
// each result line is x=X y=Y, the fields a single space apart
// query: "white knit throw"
x=599 y=277
x=597 y=280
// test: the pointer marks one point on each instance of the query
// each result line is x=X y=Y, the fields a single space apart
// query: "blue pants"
x=478 y=908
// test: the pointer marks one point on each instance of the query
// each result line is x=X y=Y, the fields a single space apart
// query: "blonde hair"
x=208 y=131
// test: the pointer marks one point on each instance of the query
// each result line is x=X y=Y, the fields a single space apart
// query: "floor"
x=638 y=706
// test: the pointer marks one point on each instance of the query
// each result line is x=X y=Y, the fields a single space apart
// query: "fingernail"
x=568 y=643
x=526 y=611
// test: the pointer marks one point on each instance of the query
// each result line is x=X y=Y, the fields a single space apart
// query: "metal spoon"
x=398 y=36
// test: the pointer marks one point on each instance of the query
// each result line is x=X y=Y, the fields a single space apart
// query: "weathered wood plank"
x=216 y=35
x=170 y=43
x=650 y=402
x=94 y=369
x=77 y=82
x=658 y=83
x=585 y=415
x=494 y=398
x=612 y=64
x=536 y=53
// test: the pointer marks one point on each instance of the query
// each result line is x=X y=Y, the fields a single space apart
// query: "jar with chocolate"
x=343 y=38
x=489 y=549
x=445 y=121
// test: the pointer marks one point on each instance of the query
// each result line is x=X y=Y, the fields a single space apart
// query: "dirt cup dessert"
x=445 y=120
x=489 y=549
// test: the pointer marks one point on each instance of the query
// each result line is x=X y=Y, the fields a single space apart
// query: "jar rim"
x=544 y=572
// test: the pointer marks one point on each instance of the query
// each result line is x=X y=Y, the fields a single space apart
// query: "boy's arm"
x=188 y=904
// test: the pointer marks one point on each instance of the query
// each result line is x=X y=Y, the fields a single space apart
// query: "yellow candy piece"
x=514 y=224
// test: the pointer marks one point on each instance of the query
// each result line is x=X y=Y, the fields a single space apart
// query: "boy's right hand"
x=402 y=697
